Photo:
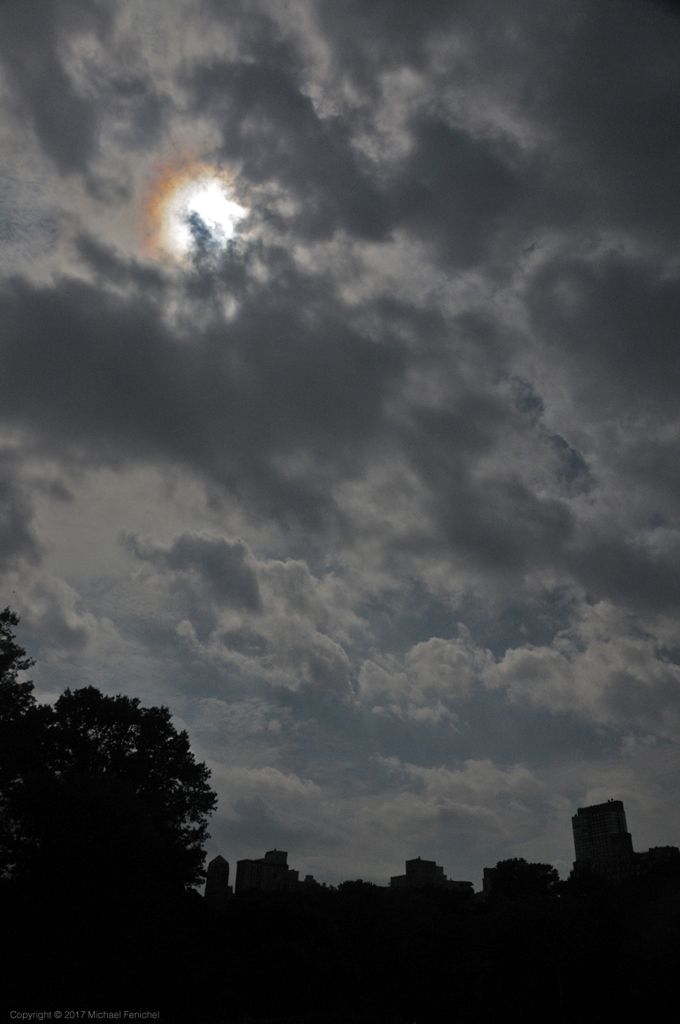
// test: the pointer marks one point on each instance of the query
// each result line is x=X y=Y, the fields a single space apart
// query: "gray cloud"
x=108 y=266
x=17 y=536
x=385 y=33
x=613 y=316
x=113 y=377
x=272 y=129
x=33 y=36
x=223 y=566
x=432 y=382
x=616 y=106
x=454 y=190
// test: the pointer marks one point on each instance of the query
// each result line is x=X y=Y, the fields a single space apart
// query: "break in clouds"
x=371 y=475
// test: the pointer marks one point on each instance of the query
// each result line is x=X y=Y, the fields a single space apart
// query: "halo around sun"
x=189 y=207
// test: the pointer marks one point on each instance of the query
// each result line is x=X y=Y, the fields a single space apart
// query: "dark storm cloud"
x=384 y=33
x=652 y=464
x=286 y=398
x=597 y=81
x=496 y=523
x=108 y=266
x=271 y=128
x=615 y=102
x=505 y=525
x=453 y=189
x=285 y=376
x=624 y=572
x=615 y=321
x=31 y=34
x=17 y=537
x=223 y=566
x=610 y=323
x=145 y=111
x=123 y=386
x=574 y=472
x=443 y=347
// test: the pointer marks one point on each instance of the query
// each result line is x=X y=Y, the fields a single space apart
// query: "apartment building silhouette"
x=270 y=873
x=422 y=873
x=604 y=846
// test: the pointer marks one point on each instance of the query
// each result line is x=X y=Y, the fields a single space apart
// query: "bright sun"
x=190 y=207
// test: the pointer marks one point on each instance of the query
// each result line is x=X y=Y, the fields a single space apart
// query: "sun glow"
x=190 y=207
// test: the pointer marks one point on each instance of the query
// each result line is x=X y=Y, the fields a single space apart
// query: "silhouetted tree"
x=357 y=887
x=22 y=728
x=517 y=879
x=96 y=790
x=15 y=697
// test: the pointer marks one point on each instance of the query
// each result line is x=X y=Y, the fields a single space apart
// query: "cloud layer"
x=381 y=499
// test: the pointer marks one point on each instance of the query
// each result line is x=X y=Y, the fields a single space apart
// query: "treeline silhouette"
x=358 y=954
x=103 y=814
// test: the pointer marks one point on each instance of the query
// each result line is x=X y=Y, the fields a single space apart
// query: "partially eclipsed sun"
x=189 y=206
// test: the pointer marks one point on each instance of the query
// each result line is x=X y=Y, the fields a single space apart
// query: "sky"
x=339 y=409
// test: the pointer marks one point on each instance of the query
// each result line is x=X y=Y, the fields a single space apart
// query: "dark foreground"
x=355 y=954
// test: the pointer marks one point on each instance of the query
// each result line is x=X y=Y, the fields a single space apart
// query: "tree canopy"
x=96 y=786
x=15 y=697
x=518 y=879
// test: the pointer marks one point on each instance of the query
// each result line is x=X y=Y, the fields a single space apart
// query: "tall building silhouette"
x=217 y=888
x=601 y=832
x=270 y=872
x=604 y=846
x=602 y=842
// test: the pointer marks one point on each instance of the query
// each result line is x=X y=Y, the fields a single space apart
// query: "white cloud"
x=432 y=679
x=605 y=667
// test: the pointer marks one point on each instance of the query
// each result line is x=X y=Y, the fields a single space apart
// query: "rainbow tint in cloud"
x=190 y=203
